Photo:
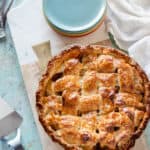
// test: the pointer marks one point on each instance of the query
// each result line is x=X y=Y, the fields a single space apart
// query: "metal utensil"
x=14 y=143
x=10 y=121
x=3 y=17
x=2 y=29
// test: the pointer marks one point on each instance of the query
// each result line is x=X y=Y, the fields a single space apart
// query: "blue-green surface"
x=13 y=91
x=74 y=15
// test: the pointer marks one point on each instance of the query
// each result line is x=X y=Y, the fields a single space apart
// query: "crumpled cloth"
x=129 y=22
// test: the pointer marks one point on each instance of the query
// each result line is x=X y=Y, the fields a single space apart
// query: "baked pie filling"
x=93 y=98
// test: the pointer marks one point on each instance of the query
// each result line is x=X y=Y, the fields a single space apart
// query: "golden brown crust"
x=123 y=86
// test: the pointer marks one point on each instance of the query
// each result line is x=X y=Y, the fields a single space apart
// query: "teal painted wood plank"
x=13 y=91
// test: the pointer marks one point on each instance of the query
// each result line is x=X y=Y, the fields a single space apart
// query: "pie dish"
x=93 y=98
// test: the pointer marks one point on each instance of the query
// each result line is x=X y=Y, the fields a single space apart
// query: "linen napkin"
x=128 y=21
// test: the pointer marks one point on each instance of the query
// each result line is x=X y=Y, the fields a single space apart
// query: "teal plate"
x=74 y=16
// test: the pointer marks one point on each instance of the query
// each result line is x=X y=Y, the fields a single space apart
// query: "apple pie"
x=93 y=98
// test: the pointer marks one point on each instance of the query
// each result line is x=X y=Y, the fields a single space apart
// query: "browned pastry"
x=93 y=98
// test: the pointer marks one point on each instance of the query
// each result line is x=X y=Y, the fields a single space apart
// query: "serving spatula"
x=10 y=121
